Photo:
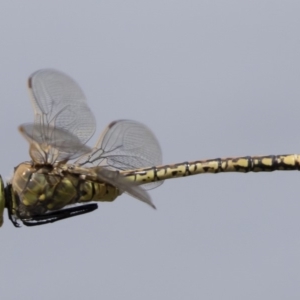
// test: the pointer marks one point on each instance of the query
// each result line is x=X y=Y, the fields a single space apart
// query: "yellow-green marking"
x=243 y=164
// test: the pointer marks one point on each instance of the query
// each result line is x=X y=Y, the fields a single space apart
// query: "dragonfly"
x=67 y=178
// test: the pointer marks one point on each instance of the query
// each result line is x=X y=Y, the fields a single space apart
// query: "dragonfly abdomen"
x=238 y=164
x=95 y=191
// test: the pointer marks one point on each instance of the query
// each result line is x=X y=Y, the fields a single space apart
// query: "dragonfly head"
x=2 y=201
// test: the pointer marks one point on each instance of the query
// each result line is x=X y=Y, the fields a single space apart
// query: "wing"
x=58 y=101
x=114 y=178
x=125 y=145
x=63 y=121
x=52 y=144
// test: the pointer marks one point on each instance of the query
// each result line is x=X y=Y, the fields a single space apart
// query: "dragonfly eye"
x=2 y=200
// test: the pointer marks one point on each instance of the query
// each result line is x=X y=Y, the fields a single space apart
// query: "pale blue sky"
x=211 y=79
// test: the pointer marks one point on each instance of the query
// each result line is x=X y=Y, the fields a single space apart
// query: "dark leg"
x=59 y=215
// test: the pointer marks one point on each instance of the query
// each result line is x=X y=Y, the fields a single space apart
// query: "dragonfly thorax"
x=42 y=188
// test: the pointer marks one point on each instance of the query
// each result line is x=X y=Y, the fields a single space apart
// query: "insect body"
x=48 y=189
x=126 y=158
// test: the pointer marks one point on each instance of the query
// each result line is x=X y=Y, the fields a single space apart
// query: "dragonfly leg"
x=59 y=215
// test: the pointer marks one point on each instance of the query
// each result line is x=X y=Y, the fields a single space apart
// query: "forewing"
x=126 y=145
x=49 y=144
x=58 y=101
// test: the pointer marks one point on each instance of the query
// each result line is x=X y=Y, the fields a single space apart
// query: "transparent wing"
x=59 y=102
x=50 y=144
x=119 y=181
x=114 y=178
x=125 y=145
